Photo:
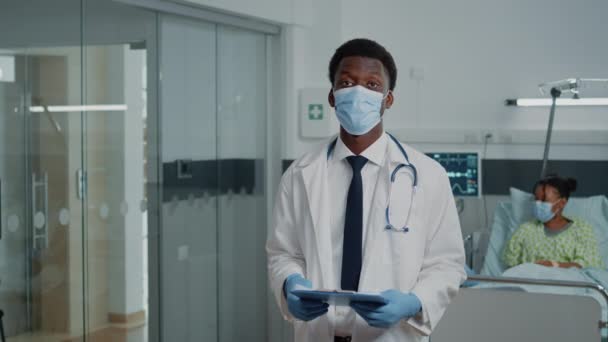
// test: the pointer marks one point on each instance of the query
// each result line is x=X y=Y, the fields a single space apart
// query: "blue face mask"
x=358 y=109
x=543 y=211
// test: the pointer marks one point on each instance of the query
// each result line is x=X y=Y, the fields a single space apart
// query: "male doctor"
x=352 y=215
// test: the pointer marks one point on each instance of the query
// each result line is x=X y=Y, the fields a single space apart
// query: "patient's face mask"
x=358 y=109
x=543 y=211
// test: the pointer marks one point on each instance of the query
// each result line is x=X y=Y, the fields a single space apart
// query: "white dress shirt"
x=340 y=175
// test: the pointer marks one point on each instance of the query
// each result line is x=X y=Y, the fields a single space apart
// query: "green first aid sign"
x=315 y=112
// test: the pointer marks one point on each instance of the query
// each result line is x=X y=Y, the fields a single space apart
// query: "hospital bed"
x=531 y=302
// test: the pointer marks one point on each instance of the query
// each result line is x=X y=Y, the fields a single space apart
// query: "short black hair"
x=564 y=186
x=361 y=47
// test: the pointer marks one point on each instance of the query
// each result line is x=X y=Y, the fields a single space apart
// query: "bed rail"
x=563 y=283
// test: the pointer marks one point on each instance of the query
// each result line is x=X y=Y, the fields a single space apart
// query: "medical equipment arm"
x=442 y=269
x=283 y=250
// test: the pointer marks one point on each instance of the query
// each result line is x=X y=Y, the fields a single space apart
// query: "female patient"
x=552 y=239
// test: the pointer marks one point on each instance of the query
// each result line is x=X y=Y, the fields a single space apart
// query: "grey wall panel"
x=500 y=174
x=213 y=177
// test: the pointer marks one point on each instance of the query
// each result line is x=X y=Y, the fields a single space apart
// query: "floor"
x=114 y=333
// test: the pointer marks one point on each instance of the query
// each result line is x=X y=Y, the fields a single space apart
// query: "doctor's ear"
x=388 y=102
x=330 y=98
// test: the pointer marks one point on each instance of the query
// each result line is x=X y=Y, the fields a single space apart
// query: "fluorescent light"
x=591 y=101
x=84 y=108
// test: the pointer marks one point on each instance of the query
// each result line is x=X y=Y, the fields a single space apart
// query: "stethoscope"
x=408 y=165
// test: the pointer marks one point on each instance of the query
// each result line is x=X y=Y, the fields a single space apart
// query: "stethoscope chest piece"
x=391 y=227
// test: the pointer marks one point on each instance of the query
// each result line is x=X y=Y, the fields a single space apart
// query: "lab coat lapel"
x=315 y=181
x=376 y=221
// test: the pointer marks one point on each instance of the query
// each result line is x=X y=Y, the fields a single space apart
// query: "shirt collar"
x=374 y=153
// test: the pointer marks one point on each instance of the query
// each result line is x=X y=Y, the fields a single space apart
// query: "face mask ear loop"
x=385 y=96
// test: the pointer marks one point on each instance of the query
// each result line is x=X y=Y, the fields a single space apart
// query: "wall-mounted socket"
x=183 y=252
x=184 y=168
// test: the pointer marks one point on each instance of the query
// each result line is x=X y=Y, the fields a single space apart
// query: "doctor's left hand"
x=305 y=310
x=398 y=306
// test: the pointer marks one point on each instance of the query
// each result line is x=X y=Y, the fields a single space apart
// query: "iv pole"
x=556 y=89
x=555 y=93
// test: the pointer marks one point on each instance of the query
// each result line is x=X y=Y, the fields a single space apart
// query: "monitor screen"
x=462 y=169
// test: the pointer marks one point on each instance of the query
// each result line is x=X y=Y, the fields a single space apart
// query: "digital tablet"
x=339 y=298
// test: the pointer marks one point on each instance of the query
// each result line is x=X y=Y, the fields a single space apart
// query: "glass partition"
x=118 y=41
x=241 y=118
x=132 y=175
x=41 y=255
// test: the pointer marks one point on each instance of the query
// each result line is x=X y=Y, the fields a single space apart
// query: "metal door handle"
x=40 y=239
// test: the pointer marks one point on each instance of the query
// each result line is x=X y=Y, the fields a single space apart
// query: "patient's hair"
x=362 y=47
x=564 y=186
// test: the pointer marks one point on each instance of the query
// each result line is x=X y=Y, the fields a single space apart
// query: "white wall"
x=474 y=54
x=309 y=47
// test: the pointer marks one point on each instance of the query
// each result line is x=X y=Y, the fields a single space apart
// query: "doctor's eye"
x=373 y=85
x=345 y=83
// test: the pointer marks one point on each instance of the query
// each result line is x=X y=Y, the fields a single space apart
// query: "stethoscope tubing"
x=393 y=176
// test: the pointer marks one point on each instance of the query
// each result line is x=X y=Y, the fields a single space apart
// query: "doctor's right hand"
x=302 y=309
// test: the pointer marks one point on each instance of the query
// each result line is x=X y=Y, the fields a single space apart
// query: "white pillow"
x=594 y=210
x=503 y=226
x=523 y=206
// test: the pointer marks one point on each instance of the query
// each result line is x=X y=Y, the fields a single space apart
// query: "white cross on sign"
x=315 y=112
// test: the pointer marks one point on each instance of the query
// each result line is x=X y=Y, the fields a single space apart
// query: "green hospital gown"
x=531 y=243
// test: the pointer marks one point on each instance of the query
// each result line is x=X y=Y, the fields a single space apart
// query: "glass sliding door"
x=241 y=141
x=213 y=133
x=189 y=200
x=116 y=218
x=133 y=178
x=119 y=47
x=73 y=169
x=40 y=154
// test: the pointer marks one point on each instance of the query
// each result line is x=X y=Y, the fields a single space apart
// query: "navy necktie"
x=353 y=227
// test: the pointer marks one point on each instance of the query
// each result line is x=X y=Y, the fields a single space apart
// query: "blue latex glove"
x=470 y=272
x=398 y=306
x=302 y=309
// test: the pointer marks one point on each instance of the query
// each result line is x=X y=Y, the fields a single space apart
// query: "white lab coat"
x=427 y=261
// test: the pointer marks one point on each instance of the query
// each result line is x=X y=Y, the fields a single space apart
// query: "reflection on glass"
x=115 y=297
x=75 y=159
x=64 y=271
x=40 y=261
x=242 y=209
